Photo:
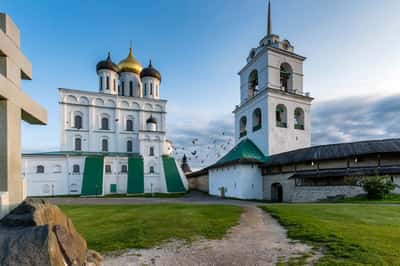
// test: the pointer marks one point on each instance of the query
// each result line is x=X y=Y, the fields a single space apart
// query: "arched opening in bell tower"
x=286 y=74
x=253 y=83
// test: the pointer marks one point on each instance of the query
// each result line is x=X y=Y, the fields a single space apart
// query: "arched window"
x=124 y=168
x=281 y=115
x=151 y=152
x=151 y=170
x=78 y=144
x=108 y=83
x=108 y=169
x=129 y=125
x=115 y=85
x=78 y=121
x=286 y=77
x=145 y=89
x=257 y=119
x=104 y=123
x=129 y=146
x=123 y=88
x=40 y=169
x=104 y=145
x=130 y=88
x=253 y=84
x=151 y=89
x=299 y=118
x=101 y=83
x=76 y=169
x=243 y=124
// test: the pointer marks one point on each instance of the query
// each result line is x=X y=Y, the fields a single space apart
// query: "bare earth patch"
x=257 y=240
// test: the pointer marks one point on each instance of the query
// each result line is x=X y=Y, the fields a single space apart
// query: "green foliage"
x=109 y=228
x=351 y=234
x=377 y=187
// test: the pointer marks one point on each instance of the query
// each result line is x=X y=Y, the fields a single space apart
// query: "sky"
x=352 y=67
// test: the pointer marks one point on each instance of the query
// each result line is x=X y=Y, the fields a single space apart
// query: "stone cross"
x=15 y=106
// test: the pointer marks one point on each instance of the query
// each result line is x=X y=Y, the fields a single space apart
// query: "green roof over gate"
x=244 y=152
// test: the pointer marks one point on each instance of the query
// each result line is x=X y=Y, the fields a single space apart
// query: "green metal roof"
x=83 y=153
x=244 y=152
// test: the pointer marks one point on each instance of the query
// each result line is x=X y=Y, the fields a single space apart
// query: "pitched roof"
x=334 y=151
x=244 y=152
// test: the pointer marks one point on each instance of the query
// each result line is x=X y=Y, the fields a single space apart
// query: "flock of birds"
x=200 y=154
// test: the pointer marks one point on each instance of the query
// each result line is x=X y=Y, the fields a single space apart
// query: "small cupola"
x=150 y=71
x=107 y=64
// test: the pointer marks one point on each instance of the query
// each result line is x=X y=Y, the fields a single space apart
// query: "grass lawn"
x=352 y=234
x=389 y=199
x=116 y=227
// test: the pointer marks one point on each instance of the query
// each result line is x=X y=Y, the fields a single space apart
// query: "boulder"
x=38 y=233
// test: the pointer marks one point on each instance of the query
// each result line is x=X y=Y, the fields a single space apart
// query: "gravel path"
x=257 y=240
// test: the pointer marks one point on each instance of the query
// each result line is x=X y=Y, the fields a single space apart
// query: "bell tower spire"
x=269 y=26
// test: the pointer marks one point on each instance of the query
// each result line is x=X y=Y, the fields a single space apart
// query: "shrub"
x=378 y=186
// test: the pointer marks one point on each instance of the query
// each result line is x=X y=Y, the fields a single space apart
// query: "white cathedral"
x=112 y=141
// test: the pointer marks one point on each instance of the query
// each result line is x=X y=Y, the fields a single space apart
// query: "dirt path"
x=257 y=240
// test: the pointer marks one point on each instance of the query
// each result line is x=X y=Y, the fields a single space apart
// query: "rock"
x=38 y=233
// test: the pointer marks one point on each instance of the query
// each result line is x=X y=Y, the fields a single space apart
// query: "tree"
x=378 y=186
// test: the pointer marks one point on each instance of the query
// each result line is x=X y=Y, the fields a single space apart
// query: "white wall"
x=240 y=181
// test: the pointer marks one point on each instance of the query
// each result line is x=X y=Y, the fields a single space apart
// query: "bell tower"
x=274 y=111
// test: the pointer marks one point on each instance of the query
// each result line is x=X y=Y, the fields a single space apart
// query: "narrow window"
x=145 y=89
x=286 y=77
x=104 y=145
x=104 y=123
x=115 y=85
x=78 y=144
x=108 y=83
x=40 y=169
x=129 y=125
x=129 y=146
x=108 y=169
x=151 y=153
x=243 y=124
x=151 y=89
x=75 y=169
x=124 y=168
x=257 y=119
x=281 y=116
x=130 y=88
x=151 y=170
x=101 y=83
x=78 y=122
x=123 y=88
x=253 y=84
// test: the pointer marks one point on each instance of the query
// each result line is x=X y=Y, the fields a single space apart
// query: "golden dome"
x=130 y=64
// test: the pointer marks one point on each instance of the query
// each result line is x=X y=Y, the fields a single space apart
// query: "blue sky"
x=352 y=50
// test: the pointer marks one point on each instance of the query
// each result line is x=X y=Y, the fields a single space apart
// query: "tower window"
x=78 y=121
x=104 y=145
x=257 y=119
x=253 y=84
x=151 y=89
x=108 y=83
x=151 y=170
x=115 y=85
x=78 y=144
x=299 y=118
x=145 y=89
x=286 y=77
x=281 y=115
x=101 y=83
x=151 y=152
x=129 y=146
x=122 y=88
x=40 y=169
x=124 y=168
x=108 y=169
x=129 y=125
x=75 y=169
x=243 y=124
x=130 y=88
x=104 y=123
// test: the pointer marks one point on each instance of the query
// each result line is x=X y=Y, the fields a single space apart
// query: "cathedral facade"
x=112 y=141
